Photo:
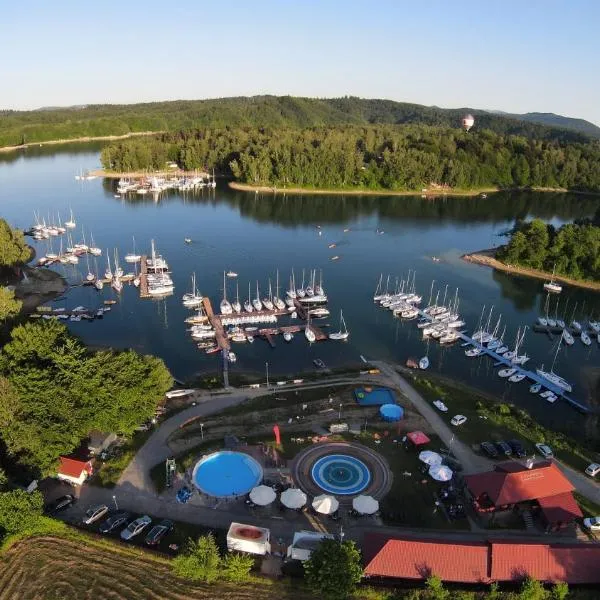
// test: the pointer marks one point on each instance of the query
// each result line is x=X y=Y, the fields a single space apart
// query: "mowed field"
x=61 y=569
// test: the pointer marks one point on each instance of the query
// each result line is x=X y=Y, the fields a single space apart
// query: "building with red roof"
x=479 y=561
x=74 y=470
x=543 y=485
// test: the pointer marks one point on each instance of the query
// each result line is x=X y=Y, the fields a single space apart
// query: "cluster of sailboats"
x=43 y=230
x=576 y=328
x=157 y=185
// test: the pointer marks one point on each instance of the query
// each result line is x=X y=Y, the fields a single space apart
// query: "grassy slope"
x=270 y=111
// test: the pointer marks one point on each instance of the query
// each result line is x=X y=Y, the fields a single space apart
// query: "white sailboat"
x=277 y=301
x=248 y=303
x=343 y=333
x=133 y=257
x=291 y=293
x=301 y=292
x=226 y=308
x=308 y=332
x=256 y=303
x=237 y=307
x=108 y=273
x=552 y=376
x=552 y=286
x=71 y=223
x=268 y=302
x=192 y=299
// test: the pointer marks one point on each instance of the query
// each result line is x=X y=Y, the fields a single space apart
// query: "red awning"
x=418 y=438
x=562 y=508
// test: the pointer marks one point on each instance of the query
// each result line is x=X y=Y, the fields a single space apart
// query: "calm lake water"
x=255 y=235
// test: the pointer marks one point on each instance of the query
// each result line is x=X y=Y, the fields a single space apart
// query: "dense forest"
x=573 y=249
x=18 y=127
x=396 y=158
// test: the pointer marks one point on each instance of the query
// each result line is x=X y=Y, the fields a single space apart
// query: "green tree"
x=13 y=249
x=200 y=560
x=435 y=588
x=334 y=569
x=237 y=567
x=20 y=510
x=3 y=479
x=532 y=590
x=9 y=305
x=560 y=591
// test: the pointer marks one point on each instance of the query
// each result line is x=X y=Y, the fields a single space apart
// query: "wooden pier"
x=144 y=293
x=220 y=335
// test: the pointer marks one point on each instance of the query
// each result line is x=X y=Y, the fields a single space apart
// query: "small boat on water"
x=225 y=306
x=551 y=286
x=473 y=352
x=424 y=363
x=535 y=388
x=549 y=396
x=516 y=377
x=231 y=357
x=336 y=257
x=343 y=333
x=192 y=299
x=567 y=338
x=555 y=379
x=71 y=223
x=232 y=274
x=187 y=240
x=507 y=372
x=133 y=257
x=288 y=336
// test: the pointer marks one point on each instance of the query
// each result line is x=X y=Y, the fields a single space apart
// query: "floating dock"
x=144 y=293
x=215 y=320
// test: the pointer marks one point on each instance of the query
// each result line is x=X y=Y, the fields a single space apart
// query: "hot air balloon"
x=468 y=122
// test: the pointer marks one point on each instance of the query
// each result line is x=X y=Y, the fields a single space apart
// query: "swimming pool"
x=341 y=474
x=225 y=474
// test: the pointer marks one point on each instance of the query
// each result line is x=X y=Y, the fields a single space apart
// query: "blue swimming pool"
x=341 y=474
x=226 y=474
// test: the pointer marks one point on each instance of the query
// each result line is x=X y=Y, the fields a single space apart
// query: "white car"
x=458 y=420
x=135 y=527
x=592 y=523
x=592 y=470
x=545 y=450
x=440 y=405
x=93 y=513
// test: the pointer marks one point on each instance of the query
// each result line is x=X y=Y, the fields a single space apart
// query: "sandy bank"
x=487 y=258
x=102 y=138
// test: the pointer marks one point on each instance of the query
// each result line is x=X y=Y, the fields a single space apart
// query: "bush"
x=200 y=561
x=237 y=567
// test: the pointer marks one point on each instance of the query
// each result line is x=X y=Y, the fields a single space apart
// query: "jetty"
x=144 y=293
x=215 y=320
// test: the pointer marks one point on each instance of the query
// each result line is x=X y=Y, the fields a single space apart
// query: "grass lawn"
x=496 y=421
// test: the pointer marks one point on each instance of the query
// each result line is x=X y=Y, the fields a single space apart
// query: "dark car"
x=517 y=448
x=114 y=521
x=489 y=449
x=158 y=532
x=59 y=504
x=504 y=448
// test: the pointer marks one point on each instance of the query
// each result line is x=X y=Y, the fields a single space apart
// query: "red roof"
x=562 y=508
x=418 y=438
x=573 y=564
x=418 y=559
x=73 y=467
x=475 y=562
x=512 y=482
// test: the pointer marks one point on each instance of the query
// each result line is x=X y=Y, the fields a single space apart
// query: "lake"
x=256 y=235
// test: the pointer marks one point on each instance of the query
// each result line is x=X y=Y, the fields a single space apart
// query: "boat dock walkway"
x=144 y=277
x=215 y=320
x=531 y=375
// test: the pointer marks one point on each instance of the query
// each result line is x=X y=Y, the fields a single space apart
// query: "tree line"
x=19 y=127
x=382 y=157
x=572 y=250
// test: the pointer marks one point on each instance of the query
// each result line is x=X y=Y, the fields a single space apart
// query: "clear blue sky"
x=511 y=55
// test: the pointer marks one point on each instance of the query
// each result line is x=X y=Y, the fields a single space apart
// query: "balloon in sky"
x=468 y=122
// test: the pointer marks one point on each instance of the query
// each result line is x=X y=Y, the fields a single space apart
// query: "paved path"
x=584 y=485
x=471 y=462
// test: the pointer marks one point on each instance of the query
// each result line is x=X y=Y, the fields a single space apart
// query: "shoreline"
x=143 y=174
x=487 y=258
x=429 y=193
x=100 y=138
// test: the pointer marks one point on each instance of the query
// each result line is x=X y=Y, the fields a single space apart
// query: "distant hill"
x=17 y=127
x=554 y=120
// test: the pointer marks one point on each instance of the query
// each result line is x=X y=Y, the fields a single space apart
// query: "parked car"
x=545 y=450
x=60 y=504
x=114 y=521
x=158 y=532
x=135 y=527
x=458 y=420
x=94 y=513
x=518 y=448
x=592 y=470
x=489 y=449
x=504 y=448
x=592 y=523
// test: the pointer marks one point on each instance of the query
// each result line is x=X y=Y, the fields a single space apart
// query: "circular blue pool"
x=225 y=474
x=341 y=474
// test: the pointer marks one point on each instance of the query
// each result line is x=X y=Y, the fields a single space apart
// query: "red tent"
x=418 y=438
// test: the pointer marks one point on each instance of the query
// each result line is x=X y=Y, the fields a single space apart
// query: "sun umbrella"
x=440 y=472
x=293 y=498
x=365 y=505
x=262 y=495
x=324 y=504
x=430 y=458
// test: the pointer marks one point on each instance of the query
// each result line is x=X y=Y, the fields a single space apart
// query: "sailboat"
x=94 y=250
x=237 y=307
x=343 y=333
x=277 y=301
x=552 y=286
x=226 y=308
x=71 y=223
x=268 y=302
x=552 y=376
x=118 y=270
x=256 y=301
x=132 y=257
x=308 y=332
x=585 y=338
x=108 y=273
x=248 y=303
x=291 y=293
x=192 y=299
x=301 y=292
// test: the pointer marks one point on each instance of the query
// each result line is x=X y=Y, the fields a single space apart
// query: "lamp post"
x=115 y=501
x=267 y=370
x=340 y=413
x=202 y=430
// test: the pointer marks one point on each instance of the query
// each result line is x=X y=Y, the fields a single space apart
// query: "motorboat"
x=288 y=336
x=473 y=352
x=520 y=359
x=232 y=274
x=231 y=357
x=535 y=388
x=424 y=363
x=507 y=372
x=549 y=396
x=318 y=312
x=517 y=377
x=343 y=333
x=449 y=337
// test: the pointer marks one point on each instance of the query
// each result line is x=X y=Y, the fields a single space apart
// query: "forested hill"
x=257 y=111
x=553 y=120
